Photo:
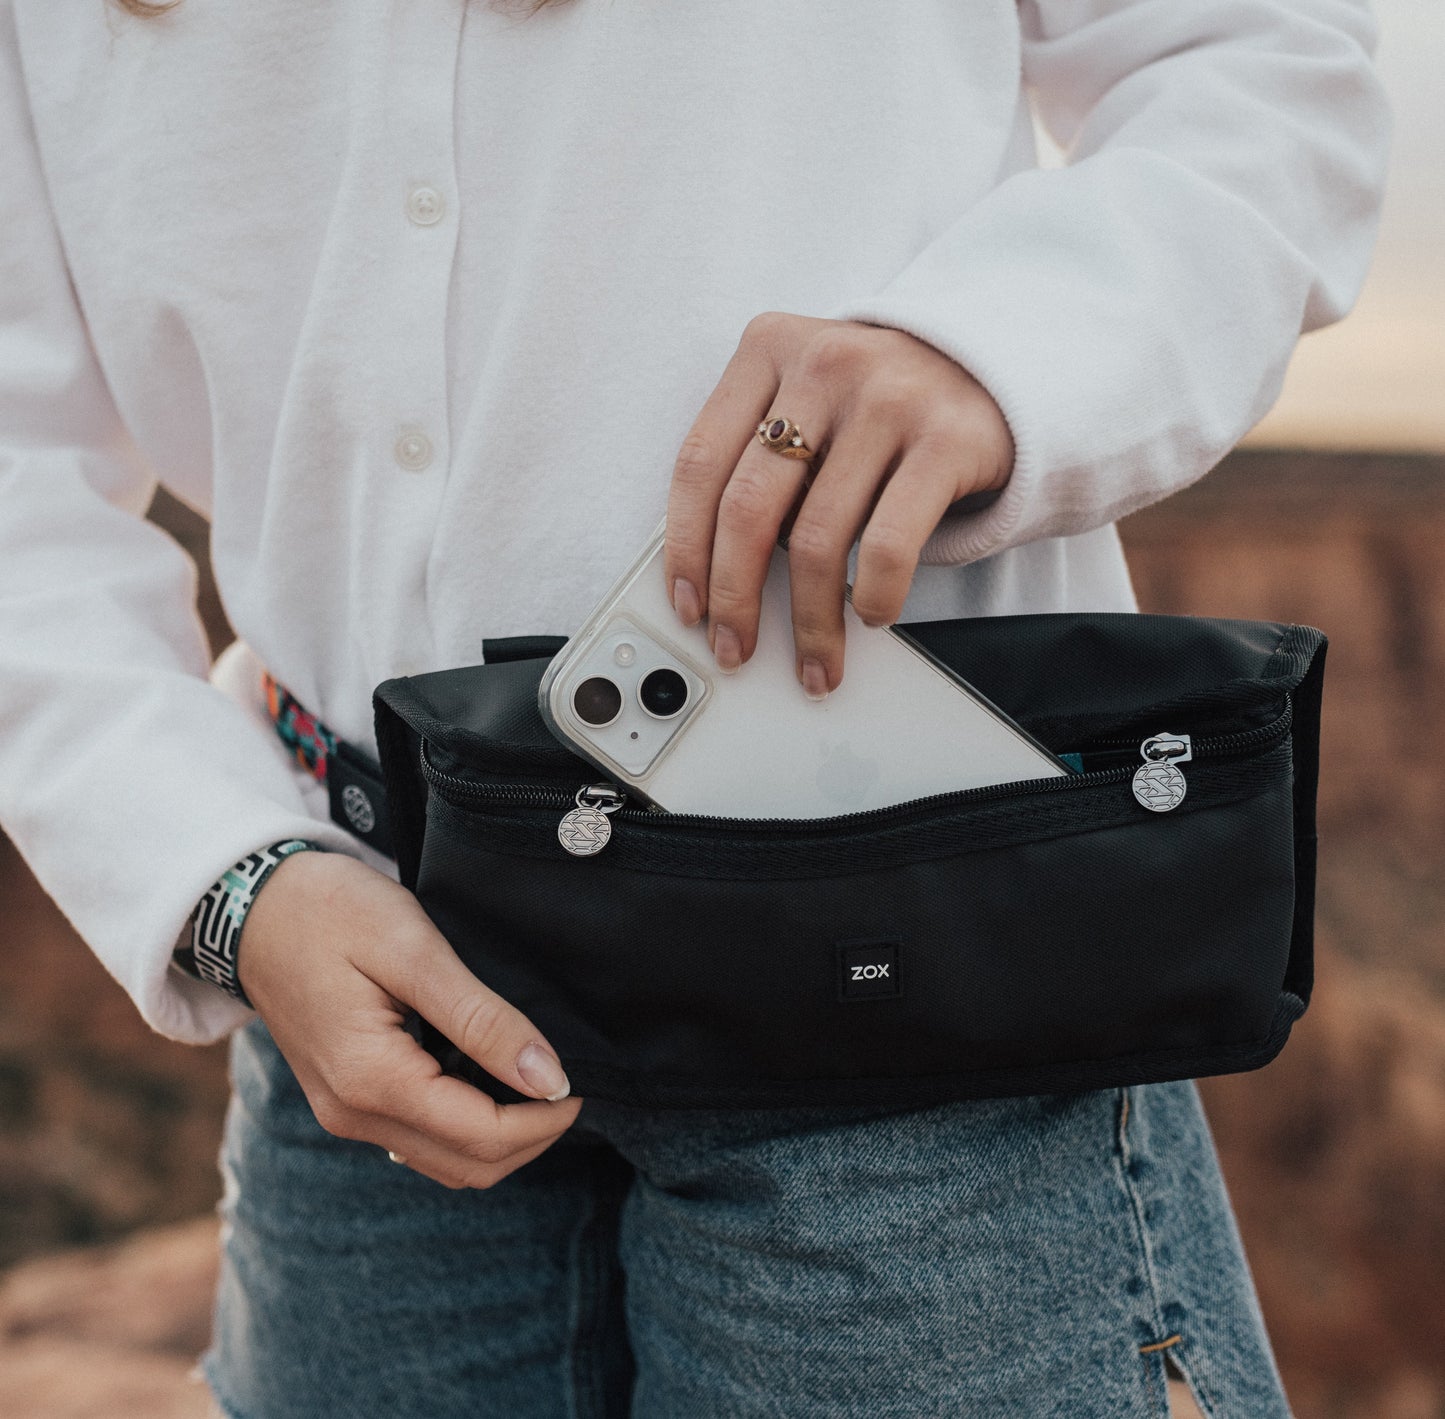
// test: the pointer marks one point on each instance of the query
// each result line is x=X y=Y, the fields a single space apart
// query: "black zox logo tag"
x=868 y=970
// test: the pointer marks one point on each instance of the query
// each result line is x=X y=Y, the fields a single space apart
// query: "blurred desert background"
x=1332 y=513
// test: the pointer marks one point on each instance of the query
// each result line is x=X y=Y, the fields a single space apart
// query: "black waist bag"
x=1036 y=937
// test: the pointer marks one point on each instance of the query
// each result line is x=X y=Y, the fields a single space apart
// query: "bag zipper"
x=1161 y=753
x=1219 y=743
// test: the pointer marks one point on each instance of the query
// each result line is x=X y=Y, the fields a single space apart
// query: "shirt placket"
x=409 y=240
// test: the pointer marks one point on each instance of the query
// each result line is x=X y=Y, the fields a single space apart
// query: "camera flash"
x=625 y=653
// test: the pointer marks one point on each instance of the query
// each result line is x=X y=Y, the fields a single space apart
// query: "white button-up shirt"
x=417 y=299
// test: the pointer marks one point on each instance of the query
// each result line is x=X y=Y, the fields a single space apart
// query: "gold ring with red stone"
x=785 y=437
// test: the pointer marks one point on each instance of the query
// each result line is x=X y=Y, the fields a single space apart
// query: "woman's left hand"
x=900 y=431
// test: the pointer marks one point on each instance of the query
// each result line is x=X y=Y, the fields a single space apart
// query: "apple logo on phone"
x=844 y=775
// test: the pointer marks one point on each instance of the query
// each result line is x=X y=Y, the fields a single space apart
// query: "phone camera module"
x=597 y=701
x=663 y=692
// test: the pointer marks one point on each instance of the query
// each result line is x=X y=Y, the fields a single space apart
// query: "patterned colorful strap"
x=355 y=788
x=310 y=740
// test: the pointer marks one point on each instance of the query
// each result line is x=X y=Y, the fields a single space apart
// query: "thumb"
x=480 y=1023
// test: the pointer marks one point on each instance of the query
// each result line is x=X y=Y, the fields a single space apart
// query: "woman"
x=432 y=308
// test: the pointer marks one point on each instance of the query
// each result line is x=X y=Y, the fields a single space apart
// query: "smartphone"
x=639 y=695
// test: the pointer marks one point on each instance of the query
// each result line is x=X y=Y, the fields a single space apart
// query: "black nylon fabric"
x=1037 y=938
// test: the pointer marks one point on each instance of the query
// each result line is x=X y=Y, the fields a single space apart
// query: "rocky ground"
x=110 y=1332
x=1335 y=1152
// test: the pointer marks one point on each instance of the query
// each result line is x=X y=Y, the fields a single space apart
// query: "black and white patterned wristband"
x=216 y=925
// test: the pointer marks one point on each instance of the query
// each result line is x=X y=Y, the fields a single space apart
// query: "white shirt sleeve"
x=127 y=781
x=1133 y=312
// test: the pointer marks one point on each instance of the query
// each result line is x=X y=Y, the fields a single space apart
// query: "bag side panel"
x=1308 y=699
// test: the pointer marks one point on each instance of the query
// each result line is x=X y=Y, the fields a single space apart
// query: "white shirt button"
x=413 y=451
x=425 y=206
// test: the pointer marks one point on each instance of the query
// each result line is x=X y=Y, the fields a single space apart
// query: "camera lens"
x=597 y=700
x=663 y=692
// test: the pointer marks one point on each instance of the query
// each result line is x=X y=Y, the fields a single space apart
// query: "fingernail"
x=727 y=648
x=542 y=1073
x=685 y=602
x=815 y=679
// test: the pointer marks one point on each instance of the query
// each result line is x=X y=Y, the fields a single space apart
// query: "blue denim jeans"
x=1001 y=1259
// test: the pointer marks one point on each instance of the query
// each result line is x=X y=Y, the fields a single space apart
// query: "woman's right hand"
x=332 y=954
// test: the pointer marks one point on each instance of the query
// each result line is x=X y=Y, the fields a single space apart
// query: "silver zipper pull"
x=585 y=829
x=1158 y=784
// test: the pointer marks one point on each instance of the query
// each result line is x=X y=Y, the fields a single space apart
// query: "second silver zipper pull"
x=1158 y=784
x=585 y=829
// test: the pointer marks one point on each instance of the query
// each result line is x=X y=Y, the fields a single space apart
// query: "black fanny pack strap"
x=357 y=795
